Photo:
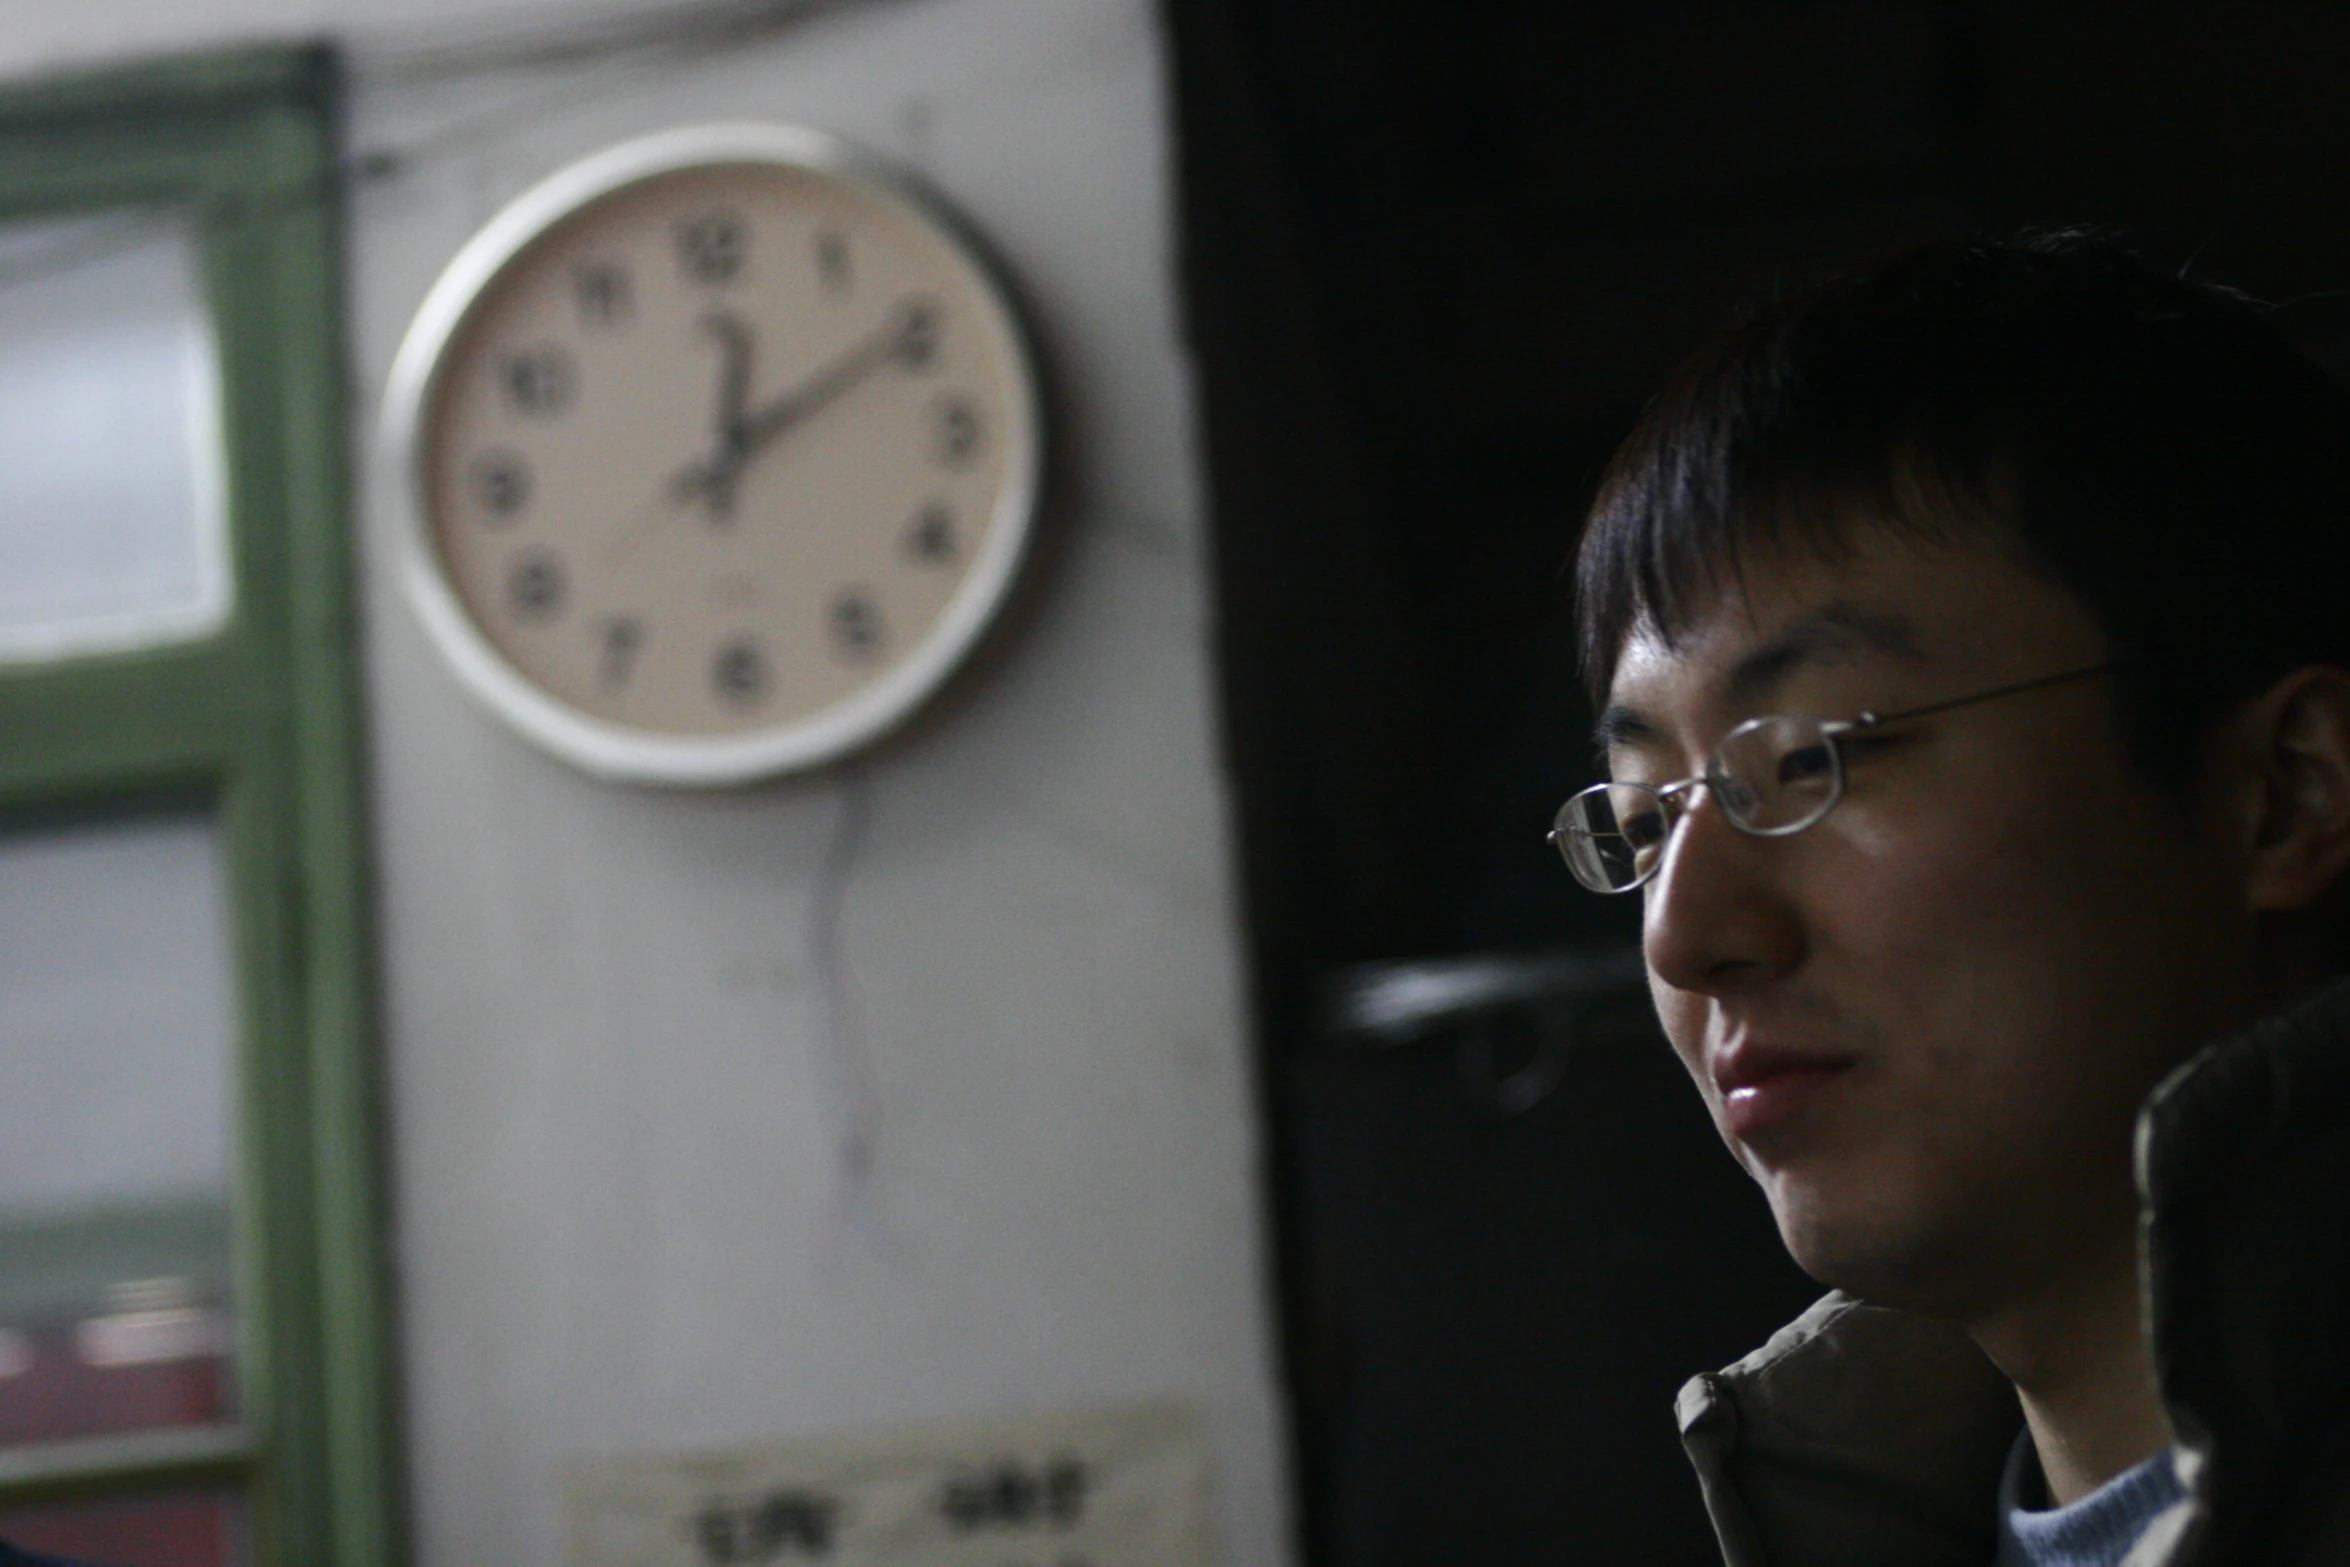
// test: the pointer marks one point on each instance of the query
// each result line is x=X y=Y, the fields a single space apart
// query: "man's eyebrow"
x=1823 y=633
x=1621 y=726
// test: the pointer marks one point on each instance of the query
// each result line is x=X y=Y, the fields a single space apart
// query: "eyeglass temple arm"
x=1878 y=720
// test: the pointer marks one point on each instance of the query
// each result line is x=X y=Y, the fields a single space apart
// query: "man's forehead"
x=1736 y=655
x=1972 y=607
x=1883 y=597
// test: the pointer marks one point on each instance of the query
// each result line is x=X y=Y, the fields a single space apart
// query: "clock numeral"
x=957 y=433
x=833 y=272
x=712 y=246
x=500 y=480
x=917 y=347
x=738 y=673
x=542 y=382
x=607 y=297
x=931 y=539
x=856 y=625
x=535 y=586
x=623 y=639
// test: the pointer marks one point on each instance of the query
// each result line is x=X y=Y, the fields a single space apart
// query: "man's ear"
x=2293 y=758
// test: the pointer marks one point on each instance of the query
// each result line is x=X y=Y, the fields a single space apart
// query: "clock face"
x=723 y=448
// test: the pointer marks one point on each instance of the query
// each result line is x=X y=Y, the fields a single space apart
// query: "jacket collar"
x=1869 y=1437
x=1857 y=1437
x=2244 y=1169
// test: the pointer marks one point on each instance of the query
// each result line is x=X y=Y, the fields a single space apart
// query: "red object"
x=168 y=1529
x=61 y=1395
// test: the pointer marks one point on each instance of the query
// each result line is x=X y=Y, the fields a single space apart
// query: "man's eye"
x=1644 y=829
x=1805 y=763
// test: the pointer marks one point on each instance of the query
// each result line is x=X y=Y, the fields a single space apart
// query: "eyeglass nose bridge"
x=1744 y=806
x=1737 y=801
x=1738 y=805
x=1679 y=799
x=1720 y=789
x=1726 y=791
x=1675 y=799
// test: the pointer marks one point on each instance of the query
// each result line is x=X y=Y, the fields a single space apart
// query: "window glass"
x=117 y=1030
x=112 y=511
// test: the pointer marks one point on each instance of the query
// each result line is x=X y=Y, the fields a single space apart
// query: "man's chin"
x=1869 y=1252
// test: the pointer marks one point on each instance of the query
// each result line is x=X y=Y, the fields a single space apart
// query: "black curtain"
x=1436 y=256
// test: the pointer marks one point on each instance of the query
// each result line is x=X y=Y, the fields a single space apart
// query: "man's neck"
x=2078 y=1357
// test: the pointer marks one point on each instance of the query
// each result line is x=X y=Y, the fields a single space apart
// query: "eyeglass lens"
x=1611 y=835
x=1770 y=777
x=1776 y=775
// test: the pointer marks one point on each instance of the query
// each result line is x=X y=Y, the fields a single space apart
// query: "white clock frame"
x=632 y=755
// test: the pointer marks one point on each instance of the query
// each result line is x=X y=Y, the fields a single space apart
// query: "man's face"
x=1924 y=1025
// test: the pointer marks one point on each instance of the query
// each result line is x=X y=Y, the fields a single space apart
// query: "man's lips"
x=1765 y=1086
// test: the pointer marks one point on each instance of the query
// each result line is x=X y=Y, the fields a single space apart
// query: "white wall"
x=624 y=1220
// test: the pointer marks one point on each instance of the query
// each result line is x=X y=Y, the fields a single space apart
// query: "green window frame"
x=261 y=721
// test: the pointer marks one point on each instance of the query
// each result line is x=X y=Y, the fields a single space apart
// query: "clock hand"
x=734 y=375
x=885 y=342
x=714 y=478
x=909 y=334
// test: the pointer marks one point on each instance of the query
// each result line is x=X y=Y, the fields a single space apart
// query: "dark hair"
x=2151 y=442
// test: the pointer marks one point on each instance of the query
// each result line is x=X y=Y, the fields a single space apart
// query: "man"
x=2048 y=556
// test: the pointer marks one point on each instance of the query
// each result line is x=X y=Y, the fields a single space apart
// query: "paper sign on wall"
x=1116 y=1486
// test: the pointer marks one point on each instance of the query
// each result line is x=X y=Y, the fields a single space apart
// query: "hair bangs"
x=1753 y=451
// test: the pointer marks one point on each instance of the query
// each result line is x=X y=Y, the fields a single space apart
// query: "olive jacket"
x=1861 y=1437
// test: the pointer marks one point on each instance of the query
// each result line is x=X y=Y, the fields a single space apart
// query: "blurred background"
x=1182 y=1005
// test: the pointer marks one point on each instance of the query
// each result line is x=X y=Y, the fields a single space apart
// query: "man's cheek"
x=1904 y=898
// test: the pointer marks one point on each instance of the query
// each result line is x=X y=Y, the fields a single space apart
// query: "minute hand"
x=789 y=408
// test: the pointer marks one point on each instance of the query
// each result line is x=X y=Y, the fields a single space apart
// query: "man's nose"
x=1714 y=916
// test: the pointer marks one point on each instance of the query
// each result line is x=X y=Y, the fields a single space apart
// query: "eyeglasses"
x=1772 y=777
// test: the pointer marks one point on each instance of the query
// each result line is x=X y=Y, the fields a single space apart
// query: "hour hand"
x=734 y=374
x=712 y=480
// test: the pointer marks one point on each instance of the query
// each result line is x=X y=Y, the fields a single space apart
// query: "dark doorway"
x=1437 y=255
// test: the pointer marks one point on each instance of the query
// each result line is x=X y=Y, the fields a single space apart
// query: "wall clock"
x=721 y=450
